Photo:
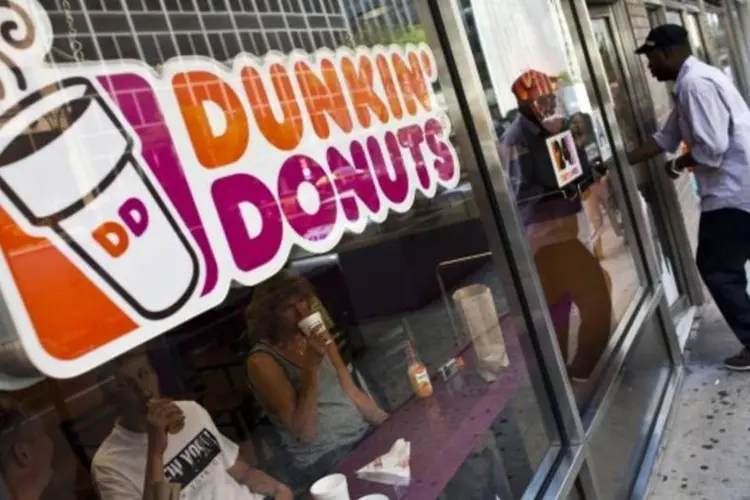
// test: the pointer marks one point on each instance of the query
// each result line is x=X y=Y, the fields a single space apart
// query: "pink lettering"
x=316 y=220
x=396 y=187
x=134 y=214
x=445 y=166
x=353 y=181
x=412 y=138
x=229 y=195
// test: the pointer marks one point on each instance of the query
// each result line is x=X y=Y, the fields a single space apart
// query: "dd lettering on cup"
x=80 y=178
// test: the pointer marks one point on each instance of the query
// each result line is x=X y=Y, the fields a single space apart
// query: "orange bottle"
x=418 y=376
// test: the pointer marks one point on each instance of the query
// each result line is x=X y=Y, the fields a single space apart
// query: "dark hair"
x=261 y=316
x=108 y=371
x=559 y=153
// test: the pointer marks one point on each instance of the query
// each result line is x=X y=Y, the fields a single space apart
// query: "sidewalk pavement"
x=706 y=450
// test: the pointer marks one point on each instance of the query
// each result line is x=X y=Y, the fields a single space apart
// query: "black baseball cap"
x=666 y=35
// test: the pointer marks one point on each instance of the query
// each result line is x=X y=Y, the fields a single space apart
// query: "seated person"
x=27 y=458
x=157 y=442
x=302 y=382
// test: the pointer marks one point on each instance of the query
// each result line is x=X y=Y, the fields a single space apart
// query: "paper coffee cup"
x=310 y=323
x=376 y=496
x=333 y=487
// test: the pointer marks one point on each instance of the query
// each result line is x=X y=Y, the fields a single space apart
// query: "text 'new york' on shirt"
x=197 y=458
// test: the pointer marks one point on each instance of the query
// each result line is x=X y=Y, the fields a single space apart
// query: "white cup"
x=83 y=185
x=333 y=487
x=310 y=323
x=375 y=496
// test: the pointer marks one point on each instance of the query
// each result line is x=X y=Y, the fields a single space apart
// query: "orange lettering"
x=193 y=90
x=390 y=86
x=360 y=82
x=112 y=237
x=287 y=133
x=323 y=97
x=427 y=64
x=411 y=80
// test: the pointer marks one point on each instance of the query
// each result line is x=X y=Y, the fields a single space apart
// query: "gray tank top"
x=339 y=421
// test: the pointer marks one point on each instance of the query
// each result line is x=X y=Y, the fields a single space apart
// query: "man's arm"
x=258 y=481
x=709 y=120
x=645 y=152
x=668 y=138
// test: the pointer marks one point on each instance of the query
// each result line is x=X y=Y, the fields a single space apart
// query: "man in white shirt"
x=156 y=441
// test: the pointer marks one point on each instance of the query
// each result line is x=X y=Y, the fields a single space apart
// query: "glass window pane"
x=628 y=126
x=674 y=17
x=696 y=40
x=382 y=318
x=560 y=168
x=618 y=443
x=717 y=32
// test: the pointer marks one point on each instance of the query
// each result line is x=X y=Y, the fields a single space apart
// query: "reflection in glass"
x=719 y=35
x=557 y=159
x=694 y=33
x=628 y=126
x=623 y=432
x=674 y=17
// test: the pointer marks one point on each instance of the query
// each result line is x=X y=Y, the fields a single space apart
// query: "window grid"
x=156 y=30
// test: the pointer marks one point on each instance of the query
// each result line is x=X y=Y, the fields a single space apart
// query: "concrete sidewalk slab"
x=706 y=452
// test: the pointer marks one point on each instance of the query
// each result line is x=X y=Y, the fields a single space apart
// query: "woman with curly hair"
x=302 y=381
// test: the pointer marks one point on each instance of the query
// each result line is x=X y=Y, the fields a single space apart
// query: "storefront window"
x=716 y=29
x=627 y=124
x=301 y=293
x=560 y=167
x=674 y=17
x=618 y=444
x=696 y=39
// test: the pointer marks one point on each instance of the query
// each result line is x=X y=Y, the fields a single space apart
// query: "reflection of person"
x=302 y=382
x=564 y=263
x=558 y=156
x=157 y=442
x=597 y=197
x=26 y=454
x=712 y=117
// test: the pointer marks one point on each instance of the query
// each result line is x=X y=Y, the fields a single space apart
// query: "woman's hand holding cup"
x=318 y=338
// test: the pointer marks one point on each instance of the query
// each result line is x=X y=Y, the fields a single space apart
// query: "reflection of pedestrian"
x=597 y=197
x=712 y=117
x=566 y=267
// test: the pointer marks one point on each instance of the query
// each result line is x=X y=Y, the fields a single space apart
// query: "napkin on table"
x=391 y=468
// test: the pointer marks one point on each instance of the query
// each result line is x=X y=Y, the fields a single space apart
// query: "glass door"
x=605 y=34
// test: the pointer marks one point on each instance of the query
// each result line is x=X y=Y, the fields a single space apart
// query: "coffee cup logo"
x=96 y=196
x=132 y=199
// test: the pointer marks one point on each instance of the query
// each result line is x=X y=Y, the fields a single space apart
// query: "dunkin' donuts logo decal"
x=130 y=198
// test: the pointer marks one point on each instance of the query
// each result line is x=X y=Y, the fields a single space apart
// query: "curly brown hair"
x=262 y=315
